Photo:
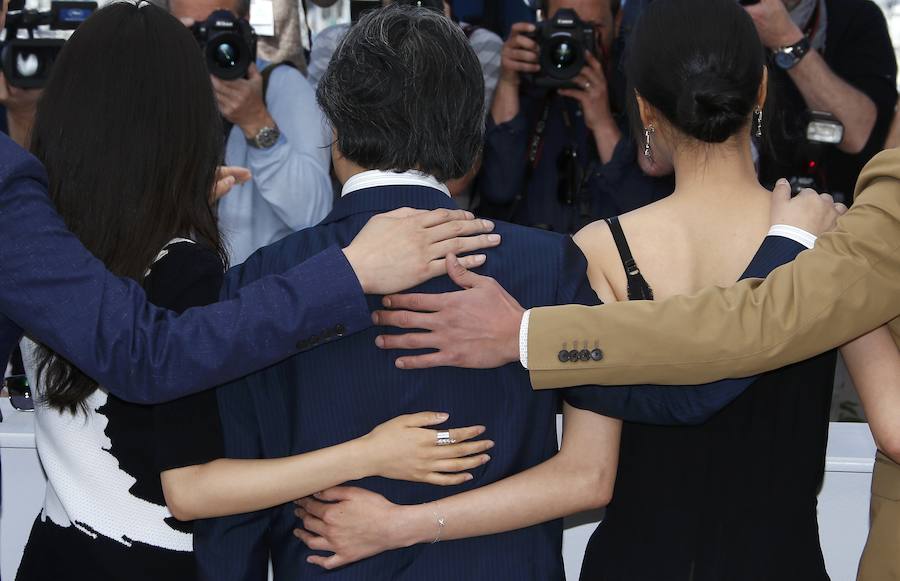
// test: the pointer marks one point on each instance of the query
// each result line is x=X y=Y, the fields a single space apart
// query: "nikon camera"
x=228 y=43
x=27 y=61
x=562 y=40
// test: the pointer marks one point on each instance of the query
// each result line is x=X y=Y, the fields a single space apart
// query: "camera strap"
x=537 y=139
x=535 y=151
x=535 y=145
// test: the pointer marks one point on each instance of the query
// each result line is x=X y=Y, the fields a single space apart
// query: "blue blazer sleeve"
x=55 y=290
x=674 y=405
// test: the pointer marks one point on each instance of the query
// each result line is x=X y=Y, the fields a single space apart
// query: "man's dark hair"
x=130 y=135
x=404 y=91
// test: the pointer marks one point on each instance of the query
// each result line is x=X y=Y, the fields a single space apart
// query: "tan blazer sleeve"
x=846 y=286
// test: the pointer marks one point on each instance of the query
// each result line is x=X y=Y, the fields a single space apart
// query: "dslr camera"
x=27 y=61
x=563 y=41
x=228 y=43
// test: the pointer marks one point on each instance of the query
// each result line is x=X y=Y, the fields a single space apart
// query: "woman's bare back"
x=682 y=243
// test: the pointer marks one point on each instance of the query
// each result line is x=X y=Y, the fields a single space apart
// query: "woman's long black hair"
x=130 y=134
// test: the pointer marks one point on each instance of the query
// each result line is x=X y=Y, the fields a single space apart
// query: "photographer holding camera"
x=274 y=129
x=27 y=58
x=830 y=56
x=558 y=154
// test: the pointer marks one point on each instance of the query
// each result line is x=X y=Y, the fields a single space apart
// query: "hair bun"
x=711 y=109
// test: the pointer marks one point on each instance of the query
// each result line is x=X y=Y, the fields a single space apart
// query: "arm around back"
x=845 y=287
x=65 y=298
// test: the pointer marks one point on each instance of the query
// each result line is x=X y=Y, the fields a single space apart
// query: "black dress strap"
x=638 y=289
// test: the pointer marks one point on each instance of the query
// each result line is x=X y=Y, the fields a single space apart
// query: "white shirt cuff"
x=523 y=339
x=798 y=235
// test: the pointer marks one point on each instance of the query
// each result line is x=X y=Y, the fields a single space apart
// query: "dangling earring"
x=648 y=131
x=759 y=120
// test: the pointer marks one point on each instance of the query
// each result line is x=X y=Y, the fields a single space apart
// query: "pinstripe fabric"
x=341 y=391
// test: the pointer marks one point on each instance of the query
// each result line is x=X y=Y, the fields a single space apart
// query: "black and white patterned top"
x=104 y=515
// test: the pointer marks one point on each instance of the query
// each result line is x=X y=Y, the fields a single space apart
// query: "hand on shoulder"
x=808 y=210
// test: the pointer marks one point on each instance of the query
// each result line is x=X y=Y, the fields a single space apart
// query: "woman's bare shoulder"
x=599 y=248
x=594 y=239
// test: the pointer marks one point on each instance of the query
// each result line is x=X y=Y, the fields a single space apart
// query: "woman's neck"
x=724 y=171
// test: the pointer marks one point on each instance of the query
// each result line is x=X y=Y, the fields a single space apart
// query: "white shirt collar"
x=377 y=178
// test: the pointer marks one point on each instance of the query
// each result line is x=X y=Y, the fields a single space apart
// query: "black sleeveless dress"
x=730 y=500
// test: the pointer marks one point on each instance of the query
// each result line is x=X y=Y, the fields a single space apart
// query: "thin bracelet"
x=441 y=521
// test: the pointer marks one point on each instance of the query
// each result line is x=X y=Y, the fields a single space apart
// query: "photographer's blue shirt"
x=291 y=186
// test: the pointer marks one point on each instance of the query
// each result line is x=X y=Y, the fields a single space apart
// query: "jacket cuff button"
x=596 y=355
x=563 y=356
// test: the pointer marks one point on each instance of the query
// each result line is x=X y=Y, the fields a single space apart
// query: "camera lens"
x=227 y=55
x=27 y=64
x=563 y=54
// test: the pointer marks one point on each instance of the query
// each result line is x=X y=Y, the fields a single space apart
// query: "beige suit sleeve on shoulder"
x=846 y=286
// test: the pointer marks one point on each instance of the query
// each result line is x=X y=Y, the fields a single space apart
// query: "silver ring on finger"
x=444 y=439
x=587 y=85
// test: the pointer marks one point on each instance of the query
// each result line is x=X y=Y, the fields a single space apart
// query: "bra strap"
x=638 y=289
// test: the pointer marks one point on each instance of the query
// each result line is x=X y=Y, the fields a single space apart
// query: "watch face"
x=267 y=137
x=785 y=60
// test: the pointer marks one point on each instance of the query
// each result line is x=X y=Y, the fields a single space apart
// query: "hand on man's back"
x=398 y=250
x=475 y=328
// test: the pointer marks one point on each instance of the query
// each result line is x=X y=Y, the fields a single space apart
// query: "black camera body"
x=228 y=44
x=563 y=41
x=27 y=62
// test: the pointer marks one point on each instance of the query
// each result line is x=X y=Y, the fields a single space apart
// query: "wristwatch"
x=787 y=57
x=265 y=138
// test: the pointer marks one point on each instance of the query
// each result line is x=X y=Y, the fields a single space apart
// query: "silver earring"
x=648 y=131
x=759 y=120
